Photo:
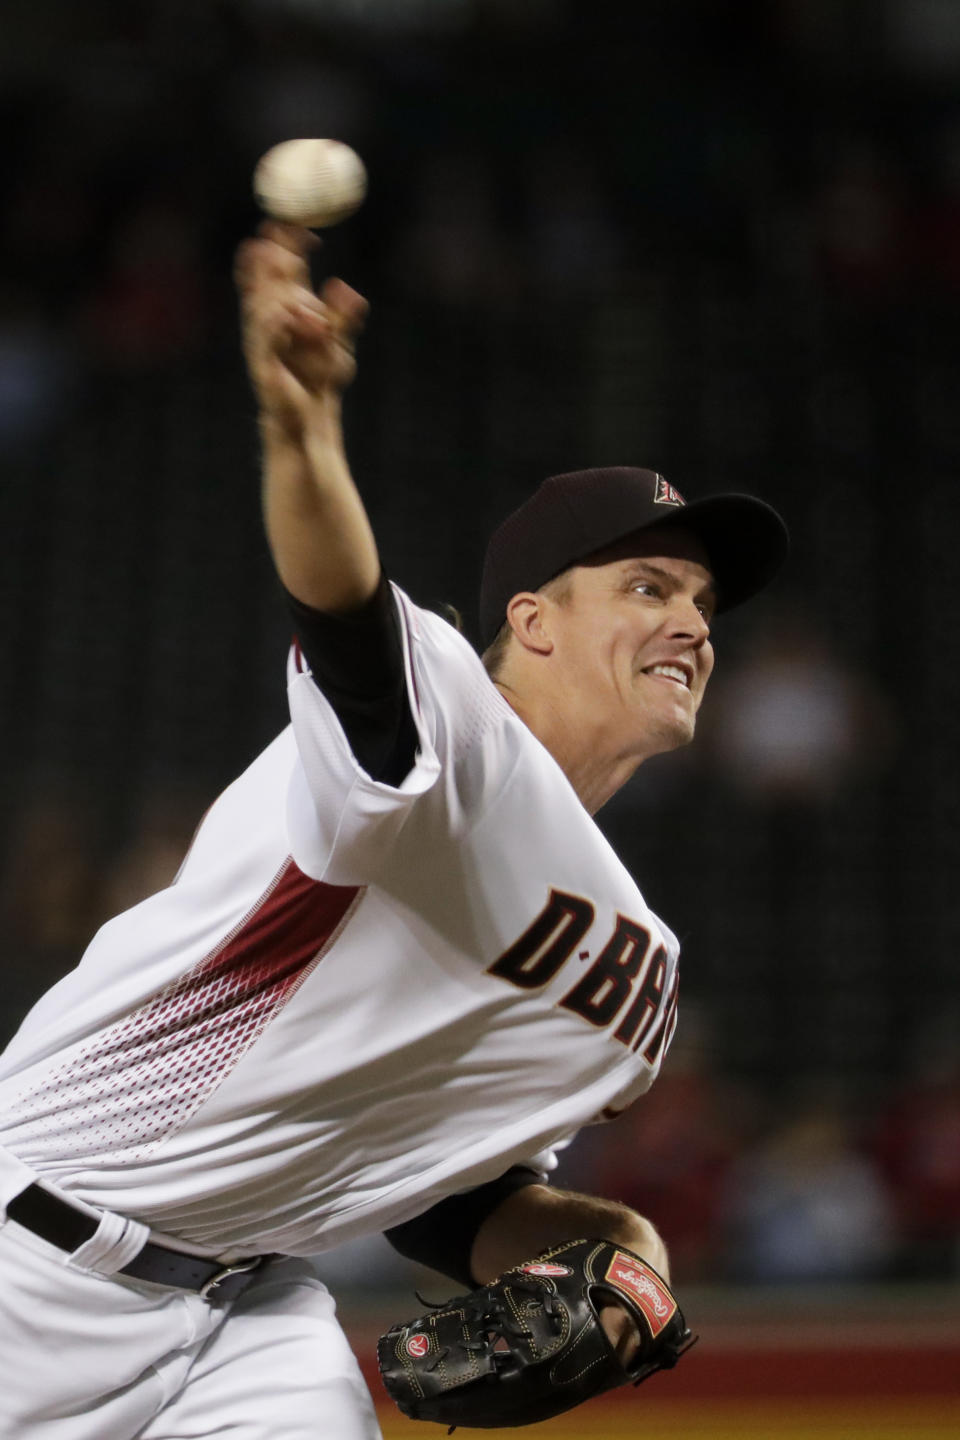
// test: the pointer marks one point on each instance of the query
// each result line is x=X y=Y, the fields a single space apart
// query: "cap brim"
x=746 y=542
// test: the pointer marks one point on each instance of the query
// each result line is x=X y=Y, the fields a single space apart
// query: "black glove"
x=531 y=1345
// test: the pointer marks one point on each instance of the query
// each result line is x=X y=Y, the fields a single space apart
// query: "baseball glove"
x=531 y=1345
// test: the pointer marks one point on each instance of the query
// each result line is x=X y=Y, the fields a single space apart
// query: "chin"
x=673 y=736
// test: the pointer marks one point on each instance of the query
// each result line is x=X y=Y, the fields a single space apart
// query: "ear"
x=527 y=618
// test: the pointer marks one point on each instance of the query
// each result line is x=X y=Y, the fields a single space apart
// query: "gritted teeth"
x=672 y=672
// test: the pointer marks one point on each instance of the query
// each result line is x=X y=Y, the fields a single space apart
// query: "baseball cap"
x=571 y=516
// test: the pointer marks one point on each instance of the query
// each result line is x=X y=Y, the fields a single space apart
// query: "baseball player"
x=398 y=965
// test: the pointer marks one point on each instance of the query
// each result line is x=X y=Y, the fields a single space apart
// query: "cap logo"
x=417 y=1346
x=666 y=494
x=543 y=1267
x=636 y=1280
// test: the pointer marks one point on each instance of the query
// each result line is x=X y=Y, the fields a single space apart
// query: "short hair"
x=558 y=589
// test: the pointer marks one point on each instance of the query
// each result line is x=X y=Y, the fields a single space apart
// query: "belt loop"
x=116 y=1242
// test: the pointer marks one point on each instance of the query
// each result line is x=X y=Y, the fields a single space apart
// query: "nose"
x=688 y=623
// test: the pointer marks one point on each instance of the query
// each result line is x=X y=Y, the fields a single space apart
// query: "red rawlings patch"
x=542 y=1267
x=631 y=1277
x=417 y=1346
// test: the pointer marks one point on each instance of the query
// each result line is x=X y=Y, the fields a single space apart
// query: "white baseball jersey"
x=354 y=999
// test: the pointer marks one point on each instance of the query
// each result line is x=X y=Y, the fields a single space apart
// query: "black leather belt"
x=60 y=1224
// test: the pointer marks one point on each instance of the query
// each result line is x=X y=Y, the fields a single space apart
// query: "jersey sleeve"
x=442 y=1237
x=356 y=659
x=342 y=821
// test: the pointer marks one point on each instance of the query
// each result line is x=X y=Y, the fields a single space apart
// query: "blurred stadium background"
x=719 y=239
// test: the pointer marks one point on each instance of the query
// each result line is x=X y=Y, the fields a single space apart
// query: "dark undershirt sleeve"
x=442 y=1237
x=356 y=659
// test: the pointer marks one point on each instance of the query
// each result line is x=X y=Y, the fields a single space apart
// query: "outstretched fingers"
x=277 y=254
x=346 y=307
x=276 y=260
x=290 y=333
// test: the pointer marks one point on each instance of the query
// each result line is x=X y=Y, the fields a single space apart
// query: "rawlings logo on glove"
x=640 y=1282
x=531 y=1345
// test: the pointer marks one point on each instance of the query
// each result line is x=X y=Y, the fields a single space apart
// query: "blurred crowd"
x=513 y=162
x=811 y=1186
x=752 y=1190
x=720 y=240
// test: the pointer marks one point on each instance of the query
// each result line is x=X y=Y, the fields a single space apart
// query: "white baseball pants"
x=87 y=1356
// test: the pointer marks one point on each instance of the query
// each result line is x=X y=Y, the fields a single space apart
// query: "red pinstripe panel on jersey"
x=141 y=1080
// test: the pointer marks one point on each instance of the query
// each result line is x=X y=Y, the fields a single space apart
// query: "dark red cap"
x=571 y=516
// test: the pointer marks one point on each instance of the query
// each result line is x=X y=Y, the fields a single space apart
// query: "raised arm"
x=299 y=352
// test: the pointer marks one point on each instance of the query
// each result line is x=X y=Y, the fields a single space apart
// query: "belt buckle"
x=240 y=1268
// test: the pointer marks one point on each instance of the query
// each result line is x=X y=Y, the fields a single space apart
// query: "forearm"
x=319 y=534
x=538 y=1216
x=299 y=352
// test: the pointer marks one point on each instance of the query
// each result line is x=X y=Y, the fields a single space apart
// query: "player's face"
x=633 y=640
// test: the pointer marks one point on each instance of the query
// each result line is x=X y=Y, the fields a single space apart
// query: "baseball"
x=310 y=182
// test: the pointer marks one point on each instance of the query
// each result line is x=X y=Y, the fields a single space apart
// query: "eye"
x=648 y=587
